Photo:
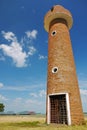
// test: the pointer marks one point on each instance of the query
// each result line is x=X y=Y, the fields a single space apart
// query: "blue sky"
x=23 y=51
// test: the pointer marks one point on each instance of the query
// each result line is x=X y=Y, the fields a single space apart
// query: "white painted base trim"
x=67 y=104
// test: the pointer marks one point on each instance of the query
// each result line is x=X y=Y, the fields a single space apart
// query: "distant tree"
x=1 y=107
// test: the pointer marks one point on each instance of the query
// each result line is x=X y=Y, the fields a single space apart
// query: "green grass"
x=26 y=124
x=35 y=125
x=21 y=124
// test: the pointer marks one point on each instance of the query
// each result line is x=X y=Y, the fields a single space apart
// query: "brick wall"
x=65 y=80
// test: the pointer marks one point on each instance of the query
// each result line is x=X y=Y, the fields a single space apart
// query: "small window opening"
x=52 y=8
x=53 y=33
x=54 y=69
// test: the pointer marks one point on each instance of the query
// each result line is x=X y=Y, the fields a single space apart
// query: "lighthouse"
x=63 y=105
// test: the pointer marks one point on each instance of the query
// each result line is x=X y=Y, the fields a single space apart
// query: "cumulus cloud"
x=18 y=101
x=3 y=98
x=1 y=85
x=15 y=49
x=23 y=88
x=41 y=93
x=31 y=34
x=41 y=57
x=33 y=95
x=15 y=52
x=83 y=83
x=28 y=103
x=83 y=92
x=31 y=51
x=33 y=101
x=10 y=36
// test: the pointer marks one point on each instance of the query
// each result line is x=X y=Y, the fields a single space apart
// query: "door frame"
x=67 y=107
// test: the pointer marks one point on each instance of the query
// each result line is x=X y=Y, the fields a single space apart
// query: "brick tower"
x=63 y=96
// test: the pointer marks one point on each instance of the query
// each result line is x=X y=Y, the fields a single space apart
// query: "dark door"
x=58 y=110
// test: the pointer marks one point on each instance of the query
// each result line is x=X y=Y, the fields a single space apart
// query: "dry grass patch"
x=33 y=123
x=20 y=118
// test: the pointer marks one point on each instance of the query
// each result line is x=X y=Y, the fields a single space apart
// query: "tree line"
x=2 y=107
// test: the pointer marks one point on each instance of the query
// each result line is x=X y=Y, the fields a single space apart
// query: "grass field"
x=33 y=123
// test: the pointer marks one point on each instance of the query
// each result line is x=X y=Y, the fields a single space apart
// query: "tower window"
x=53 y=33
x=52 y=8
x=54 y=69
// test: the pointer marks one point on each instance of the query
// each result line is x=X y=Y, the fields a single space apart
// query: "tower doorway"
x=59 y=111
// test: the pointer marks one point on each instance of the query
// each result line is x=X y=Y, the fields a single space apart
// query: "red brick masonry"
x=57 y=22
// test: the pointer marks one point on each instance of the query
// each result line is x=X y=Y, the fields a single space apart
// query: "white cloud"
x=10 y=36
x=13 y=88
x=32 y=50
x=36 y=105
x=83 y=83
x=24 y=88
x=17 y=101
x=31 y=34
x=15 y=52
x=83 y=92
x=34 y=101
x=83 y=89
x=29 y=104
x=3 y=98
x=1 y=85
x=42 y=93
x=42 y=57
x=15 y=49
x=31 y=101
x=33 y=95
